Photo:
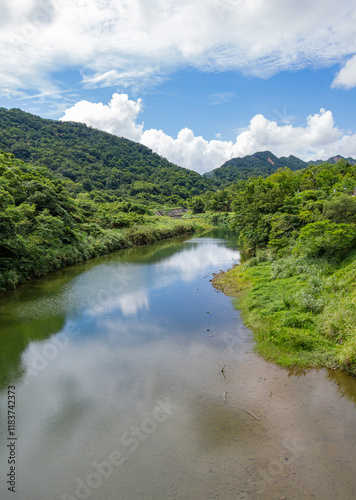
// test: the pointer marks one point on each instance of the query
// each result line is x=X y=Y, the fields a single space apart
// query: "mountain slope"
x=259 y=164
x=89 y=159
x=43 y=228
x=333 y=160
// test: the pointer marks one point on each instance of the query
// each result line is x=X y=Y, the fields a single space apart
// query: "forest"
x=296 y=286
x=69 y=193
x=43 y=227
x=261 y=164
x=92 y=161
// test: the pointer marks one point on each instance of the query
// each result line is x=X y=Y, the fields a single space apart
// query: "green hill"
x=262 y=164
x=332 y=160
x=90 y=160
x=259 y=164
x=43 y=228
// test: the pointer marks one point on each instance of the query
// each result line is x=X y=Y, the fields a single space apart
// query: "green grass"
x=210 y=217
x=302 y=312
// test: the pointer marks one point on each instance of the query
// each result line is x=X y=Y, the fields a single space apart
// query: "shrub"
x=325 y=238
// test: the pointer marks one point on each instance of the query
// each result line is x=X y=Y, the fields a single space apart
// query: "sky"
x=197 y=81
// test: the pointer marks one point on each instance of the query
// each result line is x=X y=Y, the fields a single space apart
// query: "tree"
x=254 y=206
x=341 y=208
x=197 y=205
x=326 y=238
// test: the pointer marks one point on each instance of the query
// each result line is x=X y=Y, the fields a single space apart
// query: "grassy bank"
x=210 y=217
x=45 y=227
x=302 y=311
x=43 y=261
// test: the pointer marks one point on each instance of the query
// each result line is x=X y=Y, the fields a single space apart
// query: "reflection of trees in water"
x=298 y=372
x=346 y=384
x=225 y=233
x=38 y=310
x=16 y=339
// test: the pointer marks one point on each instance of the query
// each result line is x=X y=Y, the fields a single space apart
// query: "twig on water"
x=252 y=414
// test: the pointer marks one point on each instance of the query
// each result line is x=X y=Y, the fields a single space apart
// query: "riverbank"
x=210 y=217
x=89 y=246
x=302 y=311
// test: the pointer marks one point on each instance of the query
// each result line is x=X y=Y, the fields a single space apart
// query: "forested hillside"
x=289 y=209
x=259 y=164
x=44 y=228
x=297 y=290
x=89 y=160
x=332 y=160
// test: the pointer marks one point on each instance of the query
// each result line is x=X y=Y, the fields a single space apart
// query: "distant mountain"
x=333 y=160
x=259 y=164
x=89 y=159
x=92 y=160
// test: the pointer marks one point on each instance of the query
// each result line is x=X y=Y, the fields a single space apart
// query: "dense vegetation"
x=260 y=164
x=88 y=160
x=333 y=160
x=297 y=290
x=310 y=212
x=43 y=227
x=69 y=193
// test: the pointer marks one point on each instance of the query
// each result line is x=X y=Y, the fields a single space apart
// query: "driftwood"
x=252 y=414
x=225 y=394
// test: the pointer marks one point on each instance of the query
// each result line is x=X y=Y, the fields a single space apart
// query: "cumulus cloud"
x=318 y=138
x=118 y=117
x=346 y=78
x=112 y=40
x=188 y=150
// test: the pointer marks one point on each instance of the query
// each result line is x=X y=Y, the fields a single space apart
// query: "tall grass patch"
x=302 y=311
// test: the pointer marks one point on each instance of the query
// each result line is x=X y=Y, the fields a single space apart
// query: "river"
x=116 y=367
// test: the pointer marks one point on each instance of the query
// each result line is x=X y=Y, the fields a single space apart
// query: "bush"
x=340 y=209
x=325 y=238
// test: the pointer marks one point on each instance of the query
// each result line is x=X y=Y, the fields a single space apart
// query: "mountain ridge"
x=262 y=163
x=333 y=160
x=88 y=159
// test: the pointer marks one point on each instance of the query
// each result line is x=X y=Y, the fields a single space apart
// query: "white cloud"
x=109 y=41
x=346 y=78
x=187 y=150
x=118 y=117
x=318 y=138
x=130 y=79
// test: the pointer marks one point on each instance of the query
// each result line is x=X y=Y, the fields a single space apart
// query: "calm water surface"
x=120 y=396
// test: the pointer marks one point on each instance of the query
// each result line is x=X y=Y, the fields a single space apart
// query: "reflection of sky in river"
x=142 y=332
x=124 y=302
x=128 y=287
x=133 y=331
x=130 y=300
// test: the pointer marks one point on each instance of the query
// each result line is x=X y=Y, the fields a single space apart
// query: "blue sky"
x=197 y=81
